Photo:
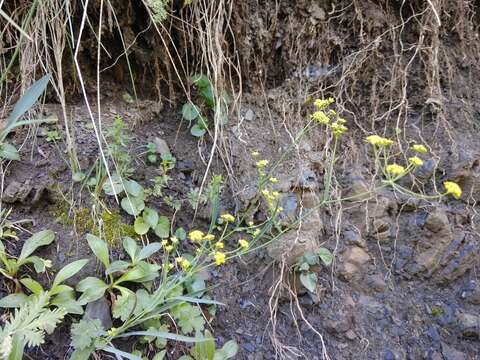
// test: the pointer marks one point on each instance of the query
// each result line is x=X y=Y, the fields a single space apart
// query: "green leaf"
x=39 y=264
x=162 y=334
x=67 y=301
x=124 y=306
x=197 y=130
x=133 y=188
x=229 y=349
x=68 y=271
x=133 y=205
x=83 y=354
x=116 y=266
x=143 y=301
x=130 y=247
x=162 y=230
x=309 y=280
x=13 y=300
x=189 y=317
x=326 y=256
x=121 y=354
x=189 y=112
x=59 y=289
x=148 y=251
x=32 y=285
x=205 y=349
x=85 y=332
x=92 y=289
x=99 y=248
x=201 y=81
x=8 y=152
x=160 y=355
x=78 y=176
x=41 y=238
x=113 y=187
x=150 y=216
x=208 y=96
x=180 y=234
x=140 y=226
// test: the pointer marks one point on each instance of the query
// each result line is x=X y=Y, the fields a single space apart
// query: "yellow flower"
x=415 y=161
x=174 y=240
x=209 y=237
x=219 y=258
x=196 y=235
x=261 y=163
x=185 y=264
x=227 y=217
x=273 y=180
x=164 y=242
x=255 y=153
x=256 y=233
x=320 y=117
x=219 y=245
x=168 y=248
x=243 y=244
x=395 y=169
x=250 y=223
x=419 y=149
x=323 y=103
x=378 y=140
x=338 y=128
x=179 y=259
x=453 y=188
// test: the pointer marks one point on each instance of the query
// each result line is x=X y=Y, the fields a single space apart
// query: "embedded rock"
x=354 y=260
x=292 y=245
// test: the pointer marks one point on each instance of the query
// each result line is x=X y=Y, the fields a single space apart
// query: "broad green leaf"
x=130 y=247
x=113 y=187
x=116 y=266
x=160 y=355
x=196 y=300
x=39 y=264
x=135 y=273
x=208 y=96
x=133 y=188
x=85 y=332
x=150 y=216
x=124 y=306
x=197 y=130
x=148 y=251
x=8 y=152
x=90 y=282
x=309 y=280
x=78 y=176
x=201 y=81
x=133 y=205
x=18 y=347
x=205 y=349
x=83 y=354
x=67 y=301
x=13 y=300
x=41 y=238
x=32 y=285
x=150 y=271
x=59 y=289
x=229 y=349
x=99 y=248
x=68 y=271
x=311 y=258
x=27 y=100
x=189 y=112
x=180 y=234
x=140 y=226
x=143 y=301
x=326 y=256
x=162 y=230
x=92 y=288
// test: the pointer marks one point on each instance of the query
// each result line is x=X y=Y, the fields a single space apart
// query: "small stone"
x=162 y=146
x=354 y=259
x=292 y=245
x=350 y=335
x=317 y=12
x=469 y=325
x=339 y=323
x=310 y=199
x=99 y=309
x=377 y=283
x=249 y=347
x=354 y=238
x=450 y=353
x=358 y=189
x=307 y=180
x=437 y=220
x=433 y=334
x=185 y=166
x=16 y=191
x=249 y=115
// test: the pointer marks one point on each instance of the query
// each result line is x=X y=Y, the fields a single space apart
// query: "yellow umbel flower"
x=164 y=242
x=196 y=235
x=227 y=217
x=415 y=161
x=320 y=117
x=323 y=103
x=338 y=128
x=256 y=233
x=209 y=237
x=395 y=169
x=453 y=188
x=168 y=248
x=261 y=163
x=255 y=153
x=219 y=258
x=243 y=244
x=174 y=240
x=184 y=263
x=419 y=149
x=219 y=245
x=378 y=140
x=273 y=180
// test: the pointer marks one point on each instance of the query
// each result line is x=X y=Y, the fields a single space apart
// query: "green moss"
x=437 y=311
x=112 y=226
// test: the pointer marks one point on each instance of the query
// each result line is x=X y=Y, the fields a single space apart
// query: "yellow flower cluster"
x=338 y=127
x=244 y=245
x=415 y=161
x=418 y=148
x=323 y=103
x=273 y=180
x=219 y=257
x=227 y=218
x=219 y=245
x=196 y=235
x=255 y=153
x=395 y=169
x=261 y=163
x=184 y=263
x=453 y=188
x=379 y=141
x=321 y=117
